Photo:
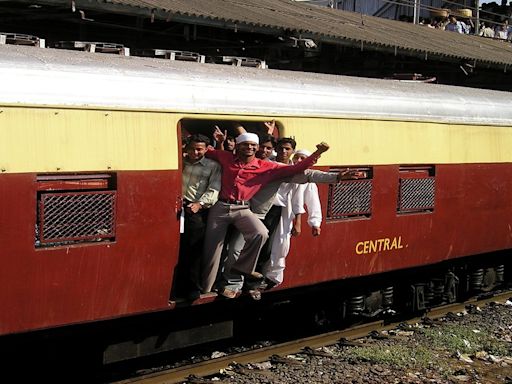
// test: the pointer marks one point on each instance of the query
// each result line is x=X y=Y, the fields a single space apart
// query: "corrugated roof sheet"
x=324 y=24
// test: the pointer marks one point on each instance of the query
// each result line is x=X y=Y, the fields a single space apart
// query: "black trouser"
x=188 y=272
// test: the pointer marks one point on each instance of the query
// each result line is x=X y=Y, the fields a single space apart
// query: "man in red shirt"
x=243 y=175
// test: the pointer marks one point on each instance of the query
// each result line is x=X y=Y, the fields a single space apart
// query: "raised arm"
x=219 y=138
x=239 y=128
x=271 y=126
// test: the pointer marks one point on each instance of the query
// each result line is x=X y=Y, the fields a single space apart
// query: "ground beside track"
x=472 y=346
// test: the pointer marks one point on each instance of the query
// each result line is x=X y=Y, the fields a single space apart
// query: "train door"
x=197 y=181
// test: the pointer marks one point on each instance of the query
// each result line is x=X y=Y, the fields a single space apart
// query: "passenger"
x=227 y=143
x=243 y=175
x=267 y=145
x=501 y=32
x=285 y=148
x=230 y=283
x=234 y=239
x=453 y=25
x=486 y=31
x=230 y=144
x=290 y=222
x=201 y=181
x=310 y=197
x=468 y=26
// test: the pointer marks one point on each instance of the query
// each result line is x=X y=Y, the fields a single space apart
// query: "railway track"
x=213 y=366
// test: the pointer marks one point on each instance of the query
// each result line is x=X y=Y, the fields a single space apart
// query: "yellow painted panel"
x=371 y=142
x=67 y=140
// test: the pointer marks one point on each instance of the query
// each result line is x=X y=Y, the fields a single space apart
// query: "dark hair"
x=198 y=138
x=286 y=140
x=265 y=137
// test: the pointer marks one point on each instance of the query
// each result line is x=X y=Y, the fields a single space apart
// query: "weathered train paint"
x=472 y=215
x=44 y=287
x=358 y=142
x=71 y=140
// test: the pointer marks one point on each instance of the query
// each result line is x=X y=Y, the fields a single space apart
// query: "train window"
x=75 y=209
x=351 y=199
x=417 y=185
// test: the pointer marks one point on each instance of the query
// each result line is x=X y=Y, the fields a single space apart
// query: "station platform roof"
x=322 y=24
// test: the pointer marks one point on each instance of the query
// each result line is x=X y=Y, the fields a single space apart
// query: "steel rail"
x=213 y=366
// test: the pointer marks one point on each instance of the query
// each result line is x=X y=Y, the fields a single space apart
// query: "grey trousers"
x=255 y=234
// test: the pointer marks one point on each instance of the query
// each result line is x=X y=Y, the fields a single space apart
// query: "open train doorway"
x=200 y=190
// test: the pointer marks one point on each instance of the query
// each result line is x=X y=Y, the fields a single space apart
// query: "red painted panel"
x=472 y=215
x=53 y=286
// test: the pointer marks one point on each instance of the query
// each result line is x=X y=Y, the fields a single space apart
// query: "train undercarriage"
x=279 y=316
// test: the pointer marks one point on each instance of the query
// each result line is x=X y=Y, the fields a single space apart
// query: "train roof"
x=63 y=78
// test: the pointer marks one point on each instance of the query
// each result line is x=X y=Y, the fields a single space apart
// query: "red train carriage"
x=90 y=177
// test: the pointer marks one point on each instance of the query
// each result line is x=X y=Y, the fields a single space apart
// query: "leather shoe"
x=269 y=284
x=193 y=295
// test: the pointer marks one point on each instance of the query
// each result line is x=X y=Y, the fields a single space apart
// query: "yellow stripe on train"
x=73 y=140
x=379 y=142
x=66 y=140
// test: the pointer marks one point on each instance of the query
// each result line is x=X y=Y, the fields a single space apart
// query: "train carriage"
x=90 y=179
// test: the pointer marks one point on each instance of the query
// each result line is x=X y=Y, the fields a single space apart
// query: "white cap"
x=303 y=152
x=252 y=137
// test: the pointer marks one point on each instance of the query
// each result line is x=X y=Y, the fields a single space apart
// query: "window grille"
x=75 y=209
x=417 y=187
x=350 y=199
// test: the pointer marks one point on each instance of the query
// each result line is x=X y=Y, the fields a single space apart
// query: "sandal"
x=255 y=294
x=228 y=293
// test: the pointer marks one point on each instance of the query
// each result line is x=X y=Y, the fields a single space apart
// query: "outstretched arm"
x=351 y=174
x=288 y=170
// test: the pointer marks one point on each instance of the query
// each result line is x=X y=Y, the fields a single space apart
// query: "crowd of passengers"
x=498 y=28
x=242 y=202
x=452 y=23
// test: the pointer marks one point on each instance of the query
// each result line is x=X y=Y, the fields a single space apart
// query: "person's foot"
x=255 y=294
x=269 y=284
x=253 y=276
x=193 y=295
x=228 y=293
